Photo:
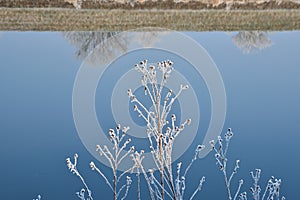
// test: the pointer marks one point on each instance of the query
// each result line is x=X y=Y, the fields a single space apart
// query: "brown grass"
x=26 y=19
x=148 y=4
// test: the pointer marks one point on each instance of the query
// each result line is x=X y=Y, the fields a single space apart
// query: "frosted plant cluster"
x=115 y=158
x=162 y=130
x=272 y=189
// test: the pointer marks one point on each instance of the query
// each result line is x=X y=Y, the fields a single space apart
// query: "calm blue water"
x=37 y=75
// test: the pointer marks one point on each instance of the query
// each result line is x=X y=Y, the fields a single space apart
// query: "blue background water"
x=37 y=73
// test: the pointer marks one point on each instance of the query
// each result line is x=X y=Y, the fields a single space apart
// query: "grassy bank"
x=49 y=19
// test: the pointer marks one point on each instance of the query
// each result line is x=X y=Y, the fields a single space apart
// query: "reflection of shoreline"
x=98 y=47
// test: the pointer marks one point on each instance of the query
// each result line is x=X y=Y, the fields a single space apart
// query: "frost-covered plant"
x=115 y=156
x=221 y=161
x=160 y=131
x=138 y=158
x=179 y=183
x=73 y=168
x=272 y=189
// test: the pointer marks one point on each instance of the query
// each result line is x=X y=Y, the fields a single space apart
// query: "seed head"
x=129 y=92
x=174 y=117
x=92 y=165
x=188 y=121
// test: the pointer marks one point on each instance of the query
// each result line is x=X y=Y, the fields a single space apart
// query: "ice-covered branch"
x=127 y=186
x=271 y=192
x=93 y=167
x=197 y=151
x=73 y=169
x=199 y=188
x=138 y=158
x=272 y=189
x=221 y=160
x=115 y=156
x=239 y=189
x=161 y=136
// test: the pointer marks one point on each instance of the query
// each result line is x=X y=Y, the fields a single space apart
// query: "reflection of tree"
x=249 y=41
x=148 y=38
x=101 y=47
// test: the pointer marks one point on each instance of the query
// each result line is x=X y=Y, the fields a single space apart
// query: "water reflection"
x=36 y=92
x=149 y=38
x=97 y=47
x=251 y=41
x=102 y=47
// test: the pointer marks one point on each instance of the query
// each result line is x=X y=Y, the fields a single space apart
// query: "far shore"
x=66 y=19
x=155 y=4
